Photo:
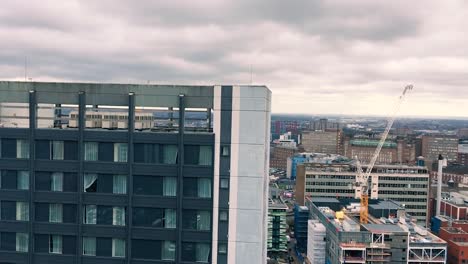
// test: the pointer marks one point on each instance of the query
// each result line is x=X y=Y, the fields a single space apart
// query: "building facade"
x=433 y=145
x=316 y=242
x=280 y=154
x=389 y=237
x=322 y=141
x=277 y=240
x=301 y=217
x=113 y=173
x=408 y=185
x=399 y=151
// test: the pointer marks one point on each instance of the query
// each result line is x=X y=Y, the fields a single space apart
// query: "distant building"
x=283 y=126
x=279 y=156
x=391 y=236
x=399 y=151
x=433 y=145
x=456 y=244
x=463 y=153
x=455 y=232
x=322 y=141
x=408 y=185
x=456 y=174
x=316 y=242
x=301 y=217
x=277 y=241
x=463 y=133
x=286 y=140
x=323 y=124
x=306 y=157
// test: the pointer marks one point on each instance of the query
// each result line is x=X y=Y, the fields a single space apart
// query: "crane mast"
x=362 y=177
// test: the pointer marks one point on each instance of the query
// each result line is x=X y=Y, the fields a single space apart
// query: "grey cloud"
x=330 y=52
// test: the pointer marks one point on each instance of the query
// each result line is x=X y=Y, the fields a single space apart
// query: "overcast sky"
x=317 y=56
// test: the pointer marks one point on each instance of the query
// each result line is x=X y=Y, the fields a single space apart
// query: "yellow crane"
x=361 y=184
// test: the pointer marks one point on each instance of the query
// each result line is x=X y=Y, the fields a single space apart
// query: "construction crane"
x=362 y=178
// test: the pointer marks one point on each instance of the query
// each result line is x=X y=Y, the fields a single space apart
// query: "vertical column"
x=81 y=128
x=32 y=136
x=180 y=175
x=131 y=128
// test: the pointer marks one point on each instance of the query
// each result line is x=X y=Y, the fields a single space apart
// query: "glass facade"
x=103 y=192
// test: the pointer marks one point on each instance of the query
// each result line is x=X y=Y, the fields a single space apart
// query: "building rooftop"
x=378 y=228
x=371 y=143
x=349 y=220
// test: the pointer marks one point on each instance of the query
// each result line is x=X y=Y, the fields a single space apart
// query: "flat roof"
x=390 y=228
x=149 y=95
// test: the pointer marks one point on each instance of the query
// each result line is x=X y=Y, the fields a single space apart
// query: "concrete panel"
x=251 y=125
x=251 y=160
x=248 y=195
x=250 y=225
x=249 y=253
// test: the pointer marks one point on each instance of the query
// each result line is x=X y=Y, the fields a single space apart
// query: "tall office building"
x=434 y=145
x=408 y=185
x=322 y=141
x=114 y=173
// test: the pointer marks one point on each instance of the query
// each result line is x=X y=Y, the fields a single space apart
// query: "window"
x=22 y=149
x=90 y=182
x=169 y=154
x=22 y=242
x=56 y=150
x=147 y=153
x=224 y=183
x=119 y=184
x=222 y=248
x=155 y=153
x=22 y=211
x=14 y=180
x=22 y=180
x=55 y=244
x=89 y=246
x=8 y=148
x=152 y=185
x=118 y=216
x=120 y=152
x=91 y=151
x=118 y=247
x=105 y=183
x=196 y=220
x=14 y=211
x=154 y=217
x=169 y=218
x=169 y=186
x=103 y=215
x=195 y=252
x=147 y=249
x=56 y=182
x=90 y=214
x=223 y=215
x=168 y=250
x=197 y=187
x=225 y=151
x=198 y=155
x=55 y=213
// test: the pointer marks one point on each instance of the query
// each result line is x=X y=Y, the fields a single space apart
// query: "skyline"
x=323 y=57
